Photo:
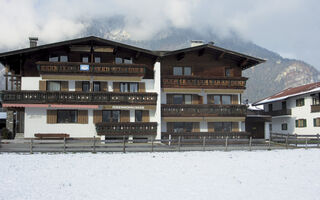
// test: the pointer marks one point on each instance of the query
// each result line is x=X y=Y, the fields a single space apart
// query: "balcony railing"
x=279 y=112
x=208 y=135
x=101 y=98
x=209 y=83
x=203 y=110
x=91 y=68
x=315 y=108
x=126 y=128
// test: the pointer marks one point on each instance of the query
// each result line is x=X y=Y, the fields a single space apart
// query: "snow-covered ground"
x=278 y=174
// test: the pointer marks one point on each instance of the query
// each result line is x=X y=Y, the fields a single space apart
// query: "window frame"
x=83 y=84
x=138 y=118
x=48 y=85
x=96 y=83
x=301 y=123
x=316 y=122
x=211 y=97
x=60 y=121
x=112 y=116
x=183 y=69
x=300 y=102
x=284 y=126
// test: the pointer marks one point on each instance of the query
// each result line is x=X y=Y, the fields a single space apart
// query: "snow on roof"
x=291 y=92
x=252 y=107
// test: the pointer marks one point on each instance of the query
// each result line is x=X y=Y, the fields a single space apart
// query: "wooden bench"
x=51 y=135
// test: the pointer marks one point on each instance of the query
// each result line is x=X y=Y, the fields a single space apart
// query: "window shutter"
x=104 y=86
x=142 y=87
x=64 y=85
x=42 y=85
x=314 y=122
x=297 y=123
x=304 y=123
x=78 y=85
x=210 y=127
x=196 y=127
x=51 y=116
x=83 y=116
x=97 y=116
x=235 y=126
x=145 y=116
x=116 y=86
x=234 y=99
x=195 y=99
x=125 y=116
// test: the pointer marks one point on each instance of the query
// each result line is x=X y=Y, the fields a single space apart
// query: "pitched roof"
x=291 y=92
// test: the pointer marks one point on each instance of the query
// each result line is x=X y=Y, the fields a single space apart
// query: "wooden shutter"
x=195 y=99
x=97 y=116
x=169 y=99
x=234 y=99
x=78 y=85
x=145 y=116
x=104 y=86
x=304 y=123
x=42 y=85
x=196 y=127
x=200 y=99
x=125 y=116
x=116 y=86
x=51 y=116
x=64 y=86
x=142 y=87
x=235 y=126
x=83 y=116
x=210 y=127
x=297 y=123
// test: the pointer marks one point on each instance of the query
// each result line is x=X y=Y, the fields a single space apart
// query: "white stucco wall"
x=30 y=83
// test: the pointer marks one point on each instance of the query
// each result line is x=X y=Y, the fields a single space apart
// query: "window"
x=53 y=86
x=177 y=71
x=54 y=59
x=316 y=122
x=97 y=59
x=270 y=107
x=226 y=100
x=85 y=86
x=300 y=123
x=178 y=99
x=85 y=59
x=227 y=72
x=182 y=127
x=187 y=99
x=138 y=116
x=110 y=116
x=129 y=87
x=284 y=105
x=222 y=126
x=315 y=101
x=127 y=60
x=96 y=86
x=180 y=71
x=284 y=126
x=67 y=116
x=300 y=102
x=62 y=58
x=216 y=99
x=118 y=60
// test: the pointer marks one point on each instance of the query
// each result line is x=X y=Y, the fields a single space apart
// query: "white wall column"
x=157 y=87
x=267 y=130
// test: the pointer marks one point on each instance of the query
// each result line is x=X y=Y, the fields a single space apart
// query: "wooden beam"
x=244 y=62
x=221 y=55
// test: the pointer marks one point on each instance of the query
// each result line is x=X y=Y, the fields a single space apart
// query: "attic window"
x=228 y=72
x=182 y=71
x=62 y=58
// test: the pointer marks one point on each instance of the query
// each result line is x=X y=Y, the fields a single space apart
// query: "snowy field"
x=279 y=174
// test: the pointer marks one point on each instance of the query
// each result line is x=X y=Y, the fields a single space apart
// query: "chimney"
x=195 y=43
x=33 y=41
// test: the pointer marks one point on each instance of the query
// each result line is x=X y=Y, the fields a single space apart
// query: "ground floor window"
x=316 y=122
x=300 y=123
x=110 y=116
x=222 y=126
x=284 y=126
x=67 y=116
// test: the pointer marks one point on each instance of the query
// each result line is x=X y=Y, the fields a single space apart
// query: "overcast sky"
x=288 y=27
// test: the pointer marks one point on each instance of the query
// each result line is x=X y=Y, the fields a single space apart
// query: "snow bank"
x=281 y=174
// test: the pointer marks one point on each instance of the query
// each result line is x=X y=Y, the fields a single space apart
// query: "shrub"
x=6 y=134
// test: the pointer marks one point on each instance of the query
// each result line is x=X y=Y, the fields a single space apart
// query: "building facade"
x=95 y=87
x=294 y=110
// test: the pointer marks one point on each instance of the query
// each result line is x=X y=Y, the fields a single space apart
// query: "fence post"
x=306 y=143
x=151 y=144
x=31 y=146
x=94 y=144
x=287 y=140
x=204 y=143
x=124 y=145
x=318 y=145
x=250 y=143
x=179 y=142
x=226 y=147
x=64 y=144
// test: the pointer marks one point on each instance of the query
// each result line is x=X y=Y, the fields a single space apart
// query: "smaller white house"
x=294 y=110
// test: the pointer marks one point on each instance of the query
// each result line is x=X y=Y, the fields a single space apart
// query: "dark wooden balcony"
x=93 y=98
x=126 y=128
x=94 y=68
x=282 y=112
x=206 y=83
x=208 y=135
x=315 y=108
x=203 y=110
